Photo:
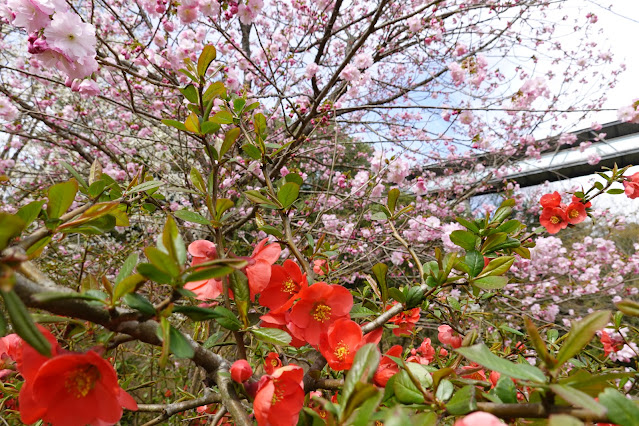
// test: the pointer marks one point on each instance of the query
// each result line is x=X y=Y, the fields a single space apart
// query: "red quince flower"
x=476 y=372
x=631 y=186
x=576 y=213
x=204 y=251
x=553 y=219
x=320 y=305
x=258 y=271
x=241 y=371
x=272 y=362
x=320 y=266
x=342 y=341
x=72 y=389
x=449 y=337
x=609 y=344
x=576 y=199
x=280 y=397
x=406 y=321
x=285 y=284
x=387 y=367
x=424 y=355
x=281 y=321
x=550 y=200
x=493 y=377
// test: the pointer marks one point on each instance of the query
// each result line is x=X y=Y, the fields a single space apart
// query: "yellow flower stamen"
x=82 y=379
x=321 y=312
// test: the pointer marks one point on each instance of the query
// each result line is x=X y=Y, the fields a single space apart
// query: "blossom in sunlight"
x=448 y=336
x=280 y=397
x=71 y=36
x=319 y=307
x=631 y=186
x=69 y=389
x=204 y=251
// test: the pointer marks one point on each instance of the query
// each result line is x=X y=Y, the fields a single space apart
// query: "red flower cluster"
x=68 y=388
x=556 y=216
x=406 y=321
x=280 y=397
x=631 y=186
x=448 y=336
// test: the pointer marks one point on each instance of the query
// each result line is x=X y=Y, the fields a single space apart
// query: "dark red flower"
x=241 y=371
x=320 y=305
x=424 y=354
x=285 y=284
x=272 y=362
x=280 y=397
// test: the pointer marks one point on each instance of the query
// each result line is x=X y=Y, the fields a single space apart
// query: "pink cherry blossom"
x=71 y=36
x=479 y=418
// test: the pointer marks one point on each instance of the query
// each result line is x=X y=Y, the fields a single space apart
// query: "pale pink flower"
x=457 y=73
x=71 y=36
x=246 y=14
x=415 y=24
x=204 y=251
x=210 y=8
x=311 y=70
x=363 y=60
x=187 y=14
x=88 y=88
x=349 y=73
x=31 y=15
x=448 y=336
x=479 y=418
x=8 y=111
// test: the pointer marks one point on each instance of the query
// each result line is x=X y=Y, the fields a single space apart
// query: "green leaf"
x=464 y=239
x=579 y=399
x=462 y=402
x=475 y=262
x=145 y=186
x=215 y=90
x=380 y=270
x=152 y=273
x=190 y=93
x=23 y=324
x=162 y=261
x=190 y=216
x=564 y=420
x=238 y=105
x=272 y=335
x=628 y=307
x=509 y=227
x=393 y=195
x=61 y=196
x=252 y=151
x=259 y=123
x=227 y=319
x=501 y=214
x=179 y=345
x=75 y=174
x=229 y=139
x=444 y=390
x=52 y=296
x=490 y=282
x=208 y=273
x=173 y=242
x=621 y=410
x=615 y=191
x=206 y=57
x=10 y=227
x=258 y=197
x=480 y=354
x=139 y=303
x=538 y=343
x=295 y=178
x=581 y=334
x=222 y=117
x=197 y=180
x=361 y=405
x=271 y=230
x=195 y=313
x=126 y=286
x=396 y=294
x=127 y=267
x=498 y=266
x=363 y=369
x=467 y=224
x=379 y=216
x=506 y=390
x=222 y=205
x=288 y=194
x=97 y=226
x=30 y=212
x=176 y=124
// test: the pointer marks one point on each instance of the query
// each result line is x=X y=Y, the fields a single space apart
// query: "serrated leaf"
x=272 y=335
x=179 y=345
x=252 y=151
x=222 y=205
x=197 y=180
x=295 y=178
x=444 y=390
x=222 y=117
x=215 y=90
x=467 y=224
x=61 y=196
x=480 y=354
x=581 y=333
x=490 y=282
x=151 y=272
x=288 y=193
x=162 y=261
x=30 y=212
x=506 y=390
x=498 y=266
x=227 y=319
x=475 y=262
x=145 y=186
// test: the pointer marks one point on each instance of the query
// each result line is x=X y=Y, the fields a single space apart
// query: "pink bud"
x=241 y=371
